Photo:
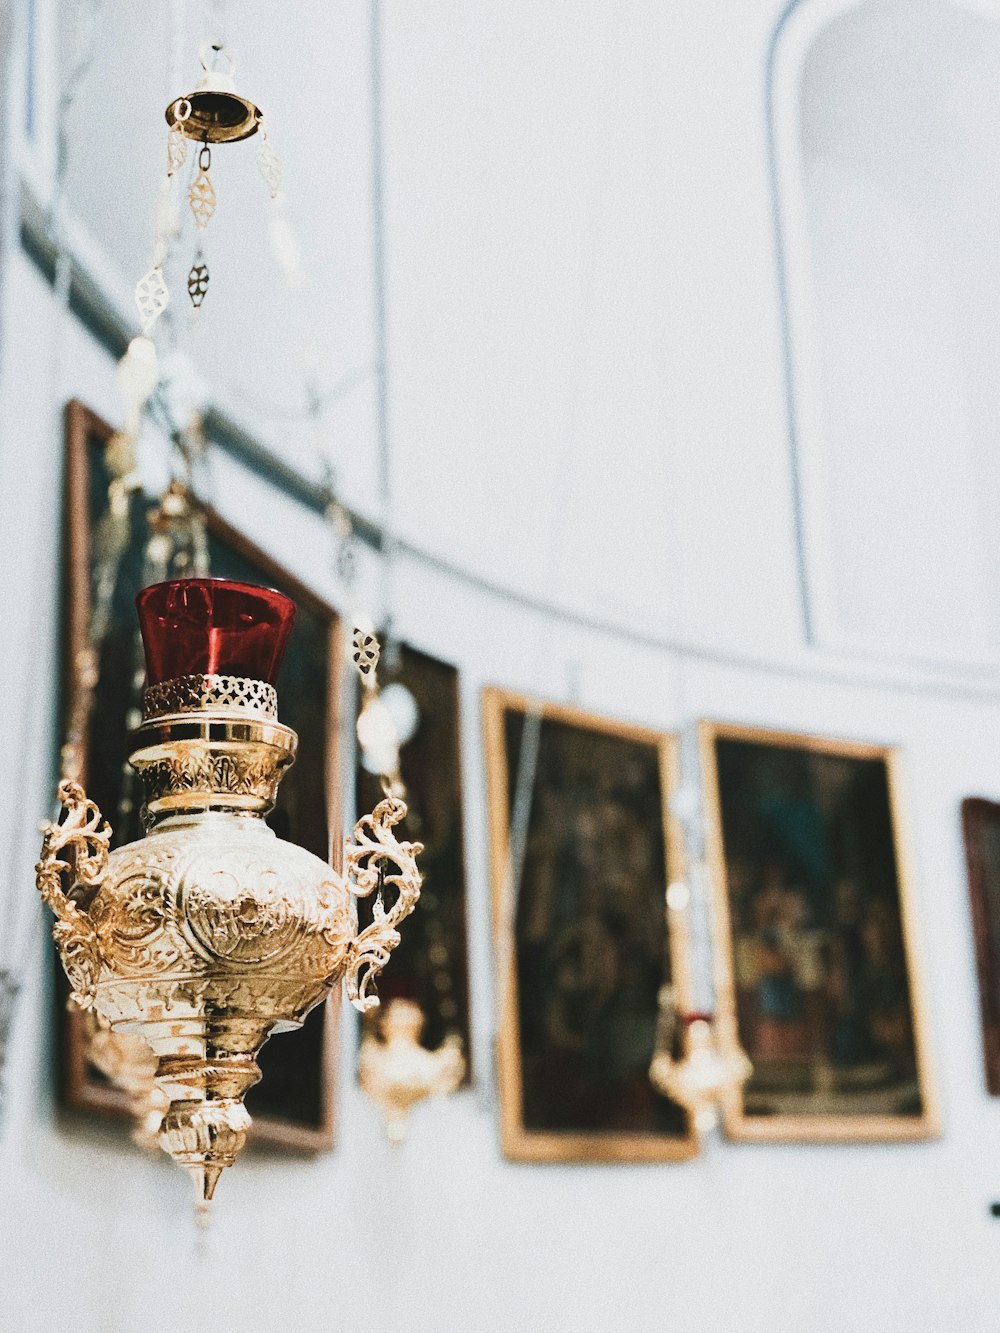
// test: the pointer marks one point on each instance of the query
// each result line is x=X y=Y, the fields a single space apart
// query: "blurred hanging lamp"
x=210 y=933
x=397 y=1072
x=697 y=1061
x=710 y=1065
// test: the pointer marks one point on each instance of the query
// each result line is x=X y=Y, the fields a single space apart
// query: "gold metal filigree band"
x=189 y=694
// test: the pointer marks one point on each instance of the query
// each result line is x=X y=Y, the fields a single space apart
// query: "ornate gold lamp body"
x=397 y=1072
x=211 y=933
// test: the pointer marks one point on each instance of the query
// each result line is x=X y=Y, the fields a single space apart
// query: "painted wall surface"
x=898 y=173
x=587 y=402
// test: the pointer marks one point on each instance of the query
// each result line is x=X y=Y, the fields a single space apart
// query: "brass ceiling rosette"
x=210 y=933
x=215 y=112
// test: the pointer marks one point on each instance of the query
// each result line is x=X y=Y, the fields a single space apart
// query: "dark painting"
x=293 y=1103
x=430 y=963
x=590 y=952
x=981 y=825
x=821 y=976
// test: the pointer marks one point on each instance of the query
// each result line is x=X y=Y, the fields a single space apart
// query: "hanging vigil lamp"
x=711 y=1066
x=398 y=1073
x=211 y=933
x=710 y=1071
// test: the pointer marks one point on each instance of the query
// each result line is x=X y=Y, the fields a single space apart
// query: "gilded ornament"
x=197 y=284
x=374 y=848
x=201 y=195
x=83 y=835
x=192 y=693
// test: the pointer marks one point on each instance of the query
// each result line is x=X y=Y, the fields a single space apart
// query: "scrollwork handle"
x=82 y=831
x=375 y=859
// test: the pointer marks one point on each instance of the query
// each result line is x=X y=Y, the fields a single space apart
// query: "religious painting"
x=430 y=965
x=293 y=1104
x=981 y=826
x=583 y=847
x=815 y=949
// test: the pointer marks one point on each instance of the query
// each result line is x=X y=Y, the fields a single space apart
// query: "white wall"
x=674 y=510
x=899 y=108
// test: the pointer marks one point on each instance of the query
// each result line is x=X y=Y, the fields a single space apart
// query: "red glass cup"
x=213 y=627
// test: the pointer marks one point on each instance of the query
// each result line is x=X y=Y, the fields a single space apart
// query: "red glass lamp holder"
x=213 y=627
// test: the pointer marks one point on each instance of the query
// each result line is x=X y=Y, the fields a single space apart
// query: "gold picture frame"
x=521 y=1141
x=813 y=1114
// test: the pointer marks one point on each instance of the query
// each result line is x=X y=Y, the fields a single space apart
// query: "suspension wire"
x=582 y=329
x=318 y=400
x=862 y=667
x=533 y=716
x=383 y=433
x=517 y=846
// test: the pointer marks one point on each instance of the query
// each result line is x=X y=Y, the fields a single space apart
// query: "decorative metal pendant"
x=214 y=112
x=151 y=297
x=176 y=149
x=197 y=281
x=365 y=654
x=269 y=165
x=201 y=196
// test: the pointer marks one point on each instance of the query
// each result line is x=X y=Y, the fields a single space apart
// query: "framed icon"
x=814 y=944
x=580 y=931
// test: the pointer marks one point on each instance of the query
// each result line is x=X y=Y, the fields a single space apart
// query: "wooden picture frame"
x=599 y=784
x=293 y=1105
x=814 y=937
x=981 y=830
x=430 y=963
